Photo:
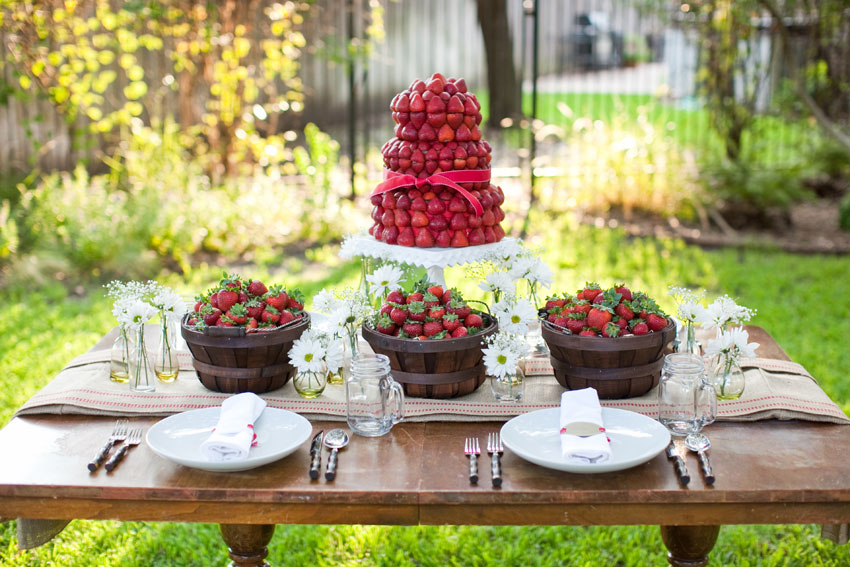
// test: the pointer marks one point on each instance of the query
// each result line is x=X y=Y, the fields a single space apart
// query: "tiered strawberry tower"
x=437 y=190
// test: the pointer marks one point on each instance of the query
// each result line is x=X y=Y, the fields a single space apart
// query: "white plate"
x=178 y=438
x=635 y=439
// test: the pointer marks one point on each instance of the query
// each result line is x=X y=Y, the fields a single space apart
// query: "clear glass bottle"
x=727 y=377
x=142 y=377
x=119 y=363
x=509 y=388
x=166 y=365
x=310 y=385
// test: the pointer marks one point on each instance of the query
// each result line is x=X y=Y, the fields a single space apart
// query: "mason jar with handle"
x=374 y=401
x=686 y=402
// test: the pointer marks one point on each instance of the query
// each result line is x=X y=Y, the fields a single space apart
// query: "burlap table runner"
x=775 y=389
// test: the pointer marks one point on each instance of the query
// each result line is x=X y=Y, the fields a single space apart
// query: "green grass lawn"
x=800 y=301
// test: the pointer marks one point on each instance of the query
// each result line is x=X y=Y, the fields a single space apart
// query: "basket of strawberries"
x=240 y=333
x=612 y=340
x=433 y=339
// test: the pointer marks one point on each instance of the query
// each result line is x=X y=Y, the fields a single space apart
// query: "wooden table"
x=767 y=472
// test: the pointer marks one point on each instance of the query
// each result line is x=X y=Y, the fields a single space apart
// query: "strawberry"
x=255 y=308
x=575 y=325
x=460 y=332
x=436 y=290
x=436 y=312
x=655 y=322
x=590 y=291
x=450 y=322
x=296 y=300
x=551 y=303
x=459 y=308
x=448 y=295
x=624 y=291
x=432 y=328
x=252 y=323
x=224 y=321
x=587 y=333
x=227 y=298
x=416 y=296
x=198 y=306
x=438 y=336
x=210 y=314
x=396 y=297
x=598 y=317
x=243 y=297
x=416 y=311
x=231 y=282
x=270 y=315
x=562 y=321
x=398 y=315
x=412 y=329
x=238 y=314
x=386 y=309
x=385 y=325
x=640 y=329
x=622 y=323
x=286 y=316
x=277 y=298
x=473 y=320
x=611 y=330
x=430 y=299
x=624 y=311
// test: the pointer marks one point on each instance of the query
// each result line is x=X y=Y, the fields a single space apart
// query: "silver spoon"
x=335 y=440
x=699 y=444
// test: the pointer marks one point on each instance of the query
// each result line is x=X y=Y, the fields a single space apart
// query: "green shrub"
x=628 y=163
x=156 y=207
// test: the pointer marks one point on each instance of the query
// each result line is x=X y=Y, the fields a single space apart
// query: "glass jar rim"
x=685 y=363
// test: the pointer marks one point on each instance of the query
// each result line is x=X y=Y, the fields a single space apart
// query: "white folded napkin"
x=583 y=438
x=233 y=436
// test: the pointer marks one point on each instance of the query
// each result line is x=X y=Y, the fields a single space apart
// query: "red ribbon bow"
x=448 y=178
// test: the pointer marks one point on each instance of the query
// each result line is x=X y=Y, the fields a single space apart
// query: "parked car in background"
x=594 y=43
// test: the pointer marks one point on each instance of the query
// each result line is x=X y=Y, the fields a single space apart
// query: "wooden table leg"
x=246 y=543
x=689 y=546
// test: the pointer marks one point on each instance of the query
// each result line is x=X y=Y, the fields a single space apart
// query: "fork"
x=495 y=448
x=119 y=433
x=472 y=450
x=133 y=439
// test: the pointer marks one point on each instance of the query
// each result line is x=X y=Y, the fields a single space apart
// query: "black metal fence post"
x=352 y=97
x=532 y=8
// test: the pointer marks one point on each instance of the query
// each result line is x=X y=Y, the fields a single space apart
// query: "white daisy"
x=137 y=314
x=692 y=312
x=385 y=279
x=515 y=316
x=740 y=338
x=499 y=283
x=334 y=354
x=499 y=362
x=307 y=354
x=323 y=300
x=169 y=302
x=540 y=274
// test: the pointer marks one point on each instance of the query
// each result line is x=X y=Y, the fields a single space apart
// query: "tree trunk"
x=502 y=79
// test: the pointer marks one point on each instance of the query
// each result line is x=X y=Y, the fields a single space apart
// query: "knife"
x=681 y=467
x=316 y=455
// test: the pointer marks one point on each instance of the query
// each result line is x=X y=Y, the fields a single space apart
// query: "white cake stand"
x=434 y=260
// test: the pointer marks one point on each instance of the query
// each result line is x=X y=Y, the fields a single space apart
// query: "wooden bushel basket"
x=624 y=367
x=229 y=360
x=445 y=368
